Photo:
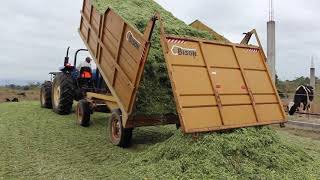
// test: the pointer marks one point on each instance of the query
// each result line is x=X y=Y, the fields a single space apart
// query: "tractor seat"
x=85 y=73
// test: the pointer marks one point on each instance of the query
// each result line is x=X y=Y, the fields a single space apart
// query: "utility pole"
x=271 y=47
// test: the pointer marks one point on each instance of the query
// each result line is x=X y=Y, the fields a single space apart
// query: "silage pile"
x=252 y=153
x=155 y=93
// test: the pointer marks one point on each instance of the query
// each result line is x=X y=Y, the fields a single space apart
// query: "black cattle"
x=304 y=95
x=15 y=100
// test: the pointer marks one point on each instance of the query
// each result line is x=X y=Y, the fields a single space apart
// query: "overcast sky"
x=35 y=33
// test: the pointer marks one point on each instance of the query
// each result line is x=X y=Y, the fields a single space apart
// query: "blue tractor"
x=70 y=84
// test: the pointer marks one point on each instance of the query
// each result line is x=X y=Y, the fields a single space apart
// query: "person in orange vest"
x=86 y=63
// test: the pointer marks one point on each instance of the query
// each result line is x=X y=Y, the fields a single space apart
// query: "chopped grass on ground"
x=38 y=144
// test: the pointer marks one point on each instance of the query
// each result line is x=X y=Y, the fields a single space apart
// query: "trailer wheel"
x=83 y=113
x=62 y=94
x=119 y=136
x=45 y=95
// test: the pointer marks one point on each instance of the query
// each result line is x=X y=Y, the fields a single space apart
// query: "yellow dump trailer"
x=216 y=85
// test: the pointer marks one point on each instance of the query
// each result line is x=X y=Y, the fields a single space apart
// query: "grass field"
x=38 y=144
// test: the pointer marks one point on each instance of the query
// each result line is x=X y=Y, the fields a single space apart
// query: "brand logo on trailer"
x=180 y=51
x=135 y=43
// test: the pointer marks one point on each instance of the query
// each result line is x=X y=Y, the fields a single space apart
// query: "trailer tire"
x=83 y=113
x=119 y=136
x=45 y=95
x=62 y=94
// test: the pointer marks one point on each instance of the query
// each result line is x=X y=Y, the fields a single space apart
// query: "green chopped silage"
x=252 y=153
x=155 y=93
x=38 y=144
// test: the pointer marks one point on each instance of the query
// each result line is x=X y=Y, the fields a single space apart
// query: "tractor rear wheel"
x=119 y=136
x=62 y=94
x=83 y=113
x=45 y=95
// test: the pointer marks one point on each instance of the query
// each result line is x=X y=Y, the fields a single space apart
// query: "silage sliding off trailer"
x=216 y=85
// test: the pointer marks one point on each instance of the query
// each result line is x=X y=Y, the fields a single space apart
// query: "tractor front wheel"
x=119 y=136
x=45 y=95
x=62 y=94
x=83 y=113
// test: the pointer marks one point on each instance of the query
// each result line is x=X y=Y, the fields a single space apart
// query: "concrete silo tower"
x=271 y=47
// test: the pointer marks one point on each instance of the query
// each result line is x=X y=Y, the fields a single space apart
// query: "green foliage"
x=288 y=86
x=38 y=144
x=155 y=93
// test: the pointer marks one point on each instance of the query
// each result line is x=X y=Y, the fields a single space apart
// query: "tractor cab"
x=67 y=66
x=71 y=83
x=81 y=73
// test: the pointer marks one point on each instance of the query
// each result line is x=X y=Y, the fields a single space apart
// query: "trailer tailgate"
x=119 y=51
x=220 y=85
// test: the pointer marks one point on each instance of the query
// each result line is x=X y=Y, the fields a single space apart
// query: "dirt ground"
x=30 y=95
x=305 y=118
x=315 y=135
